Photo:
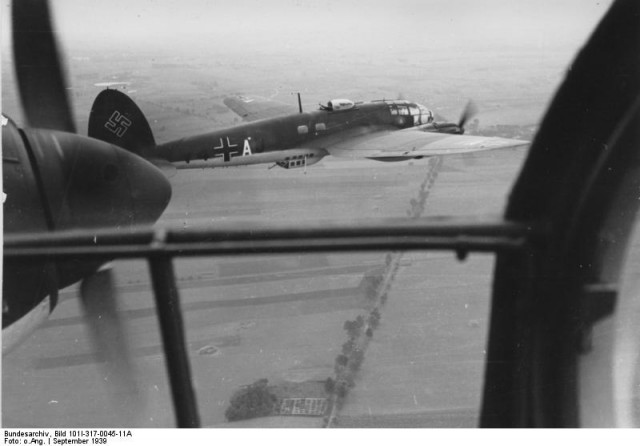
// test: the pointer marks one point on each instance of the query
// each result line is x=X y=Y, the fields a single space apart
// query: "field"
x=281 y=317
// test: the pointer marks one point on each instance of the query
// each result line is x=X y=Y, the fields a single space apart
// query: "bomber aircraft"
x=383 y=130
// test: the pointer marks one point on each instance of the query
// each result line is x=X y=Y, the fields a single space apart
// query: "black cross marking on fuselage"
x=226 y=150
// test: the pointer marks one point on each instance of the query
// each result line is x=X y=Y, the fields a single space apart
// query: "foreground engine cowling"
x=60 y=181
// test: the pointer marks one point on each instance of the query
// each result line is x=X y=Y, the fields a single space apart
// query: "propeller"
x=441 y=124
x=470 y=110
x=108 y=334
x=41 y=78
x=85 y=183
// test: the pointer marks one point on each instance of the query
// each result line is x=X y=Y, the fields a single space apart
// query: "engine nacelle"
x=443 y=127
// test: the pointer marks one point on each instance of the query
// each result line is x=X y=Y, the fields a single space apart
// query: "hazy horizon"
x=438 y=52
x=302 y=26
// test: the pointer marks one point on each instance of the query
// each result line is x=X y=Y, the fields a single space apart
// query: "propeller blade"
x=99 y=299
x=41 y=79
x=470 y=110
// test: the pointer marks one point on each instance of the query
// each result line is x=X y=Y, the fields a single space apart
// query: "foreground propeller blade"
x=40 y=74
x=98 y=295
x=470 y=110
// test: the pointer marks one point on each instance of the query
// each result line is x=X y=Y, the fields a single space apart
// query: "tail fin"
x=116 y=119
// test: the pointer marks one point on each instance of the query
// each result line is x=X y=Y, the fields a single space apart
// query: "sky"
x=361 y=25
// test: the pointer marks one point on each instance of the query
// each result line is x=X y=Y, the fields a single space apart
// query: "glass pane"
x=282 y=317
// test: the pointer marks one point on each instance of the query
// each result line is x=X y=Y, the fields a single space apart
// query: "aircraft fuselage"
x=304 y=136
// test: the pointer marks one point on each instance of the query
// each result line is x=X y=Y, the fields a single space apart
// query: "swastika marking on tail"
x=118 y=124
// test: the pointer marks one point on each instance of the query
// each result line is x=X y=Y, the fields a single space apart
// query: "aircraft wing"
x=254 y=108
x=414 y=143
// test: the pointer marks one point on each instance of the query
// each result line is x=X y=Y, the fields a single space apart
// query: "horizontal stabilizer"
x=255 y=108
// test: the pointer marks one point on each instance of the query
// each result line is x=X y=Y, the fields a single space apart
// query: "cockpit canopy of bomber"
x=338 y=105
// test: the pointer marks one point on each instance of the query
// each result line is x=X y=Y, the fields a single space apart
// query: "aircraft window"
x=415 y=111
x=403 y=110
x=393 y=109
x=303 y=130
x=282 y=317
x=320 y=127
x=429 y=118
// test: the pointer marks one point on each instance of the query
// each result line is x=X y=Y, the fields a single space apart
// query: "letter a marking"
x=247 y=148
